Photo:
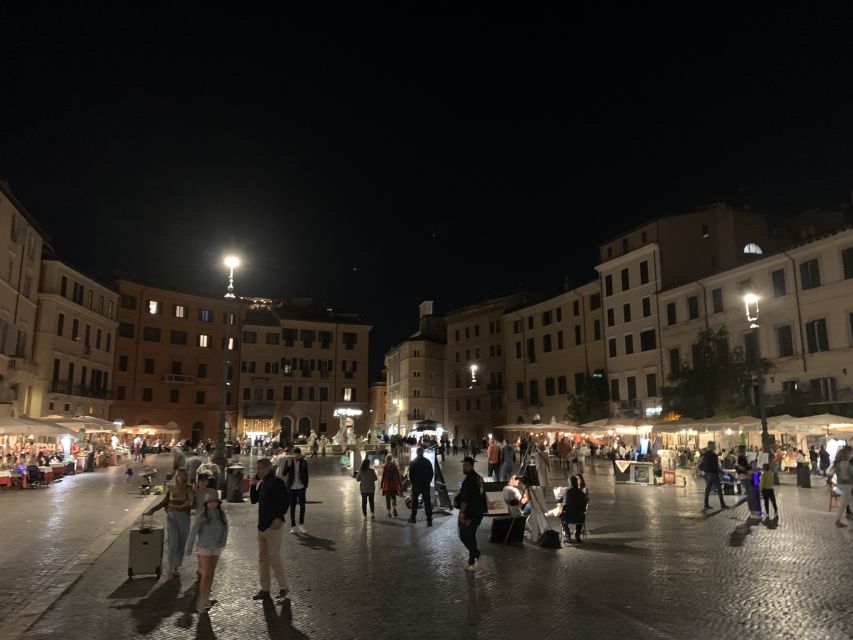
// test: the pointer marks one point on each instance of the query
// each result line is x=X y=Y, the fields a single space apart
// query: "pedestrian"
x=178 y=500
x=823 y=454
x=765 y=484
x=494 y=455
x=270 y=494
x=179 y=460
x=573 y=510
x=128 y=473
x=391 y=485
x=507 y=461
x=455 y=446
x=366 y=478
x=315 y=447
x=296 y=479
x=843 y=473
x=472 y=506
x=209 y=534
x=464 y=447
x=710 y=467
x=814 y=460
x=420 y=475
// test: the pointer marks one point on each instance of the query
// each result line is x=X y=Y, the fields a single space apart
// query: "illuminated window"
x=347 y=394
x=753 y=249
x=204 y=340
x=180 y=311
x=153 y=307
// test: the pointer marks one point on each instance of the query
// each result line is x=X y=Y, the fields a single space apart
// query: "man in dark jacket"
x=710 y=466
x=823 y=454
x=296 y=478
x=471 y=509
x=270 y=494
x=420 y=475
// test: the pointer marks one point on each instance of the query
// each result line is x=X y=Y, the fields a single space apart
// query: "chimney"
x=425 y=308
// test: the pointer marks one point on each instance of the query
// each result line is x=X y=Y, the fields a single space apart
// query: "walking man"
x=494 y=453
x=813 y=460
x=296 y=479
x=507 y=460
x=471 y=509
x=420 y=475
x=710 y=466
x=823 y=454
x=270 y=494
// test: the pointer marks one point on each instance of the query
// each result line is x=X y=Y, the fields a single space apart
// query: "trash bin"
x=803 y=476
x=229 y=451
x=234 y=483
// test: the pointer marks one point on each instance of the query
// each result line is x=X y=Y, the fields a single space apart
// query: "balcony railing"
x=85 y=391
x=20 y=364
x=60 y=387
x=178 y=378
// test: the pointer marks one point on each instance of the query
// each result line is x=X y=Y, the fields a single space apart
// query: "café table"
x=5 y=478
x=58 y=468
x=48 y=474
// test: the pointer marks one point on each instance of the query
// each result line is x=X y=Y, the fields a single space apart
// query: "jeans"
x=580 y=466
x=269 y=546
x=713 y=480
x=297 y=496
x=425 y=492
x=753 y=498
x=769 y=496
x=365 y=498
x=506 y=472
x=493 y=469
x=178 y=523
x=815 y=470
x=468 y=536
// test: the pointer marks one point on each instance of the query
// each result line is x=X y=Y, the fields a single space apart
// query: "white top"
x=512 y=494
x=297 y=481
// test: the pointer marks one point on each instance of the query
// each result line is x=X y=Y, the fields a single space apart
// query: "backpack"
x=550 y=539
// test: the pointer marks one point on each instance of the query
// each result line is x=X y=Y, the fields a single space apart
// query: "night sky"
x=377 y=161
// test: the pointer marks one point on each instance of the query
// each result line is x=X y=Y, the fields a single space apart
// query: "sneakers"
x=429 y=522
x=412 y=520
x=292 y=529
x=284 y=594
x=838 y=523
x=302 y=529
x=471 y=567
x=261 y=595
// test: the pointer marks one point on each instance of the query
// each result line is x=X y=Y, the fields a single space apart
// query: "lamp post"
x=750 y=302
x=232 y=262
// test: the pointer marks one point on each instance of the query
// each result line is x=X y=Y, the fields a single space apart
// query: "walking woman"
x=209 y=534
x=177 y=501
x=366 y=478
x=391 y=485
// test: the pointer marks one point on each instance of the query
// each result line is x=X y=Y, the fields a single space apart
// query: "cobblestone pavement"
x=654 y=566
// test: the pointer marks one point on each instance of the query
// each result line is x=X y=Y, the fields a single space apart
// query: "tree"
x=716 y=383
x=589 y=404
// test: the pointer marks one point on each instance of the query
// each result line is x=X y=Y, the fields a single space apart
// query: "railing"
x=178 y=378
x=20 y=364
x=60 y=387
x=92 y=392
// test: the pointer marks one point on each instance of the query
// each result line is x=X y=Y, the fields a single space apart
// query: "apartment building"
x=549 y=350
x=300 y=365
x=415 y=374
x=21 y=242
x=170 y=359
x=377 y=403
x=805 y=313
x=74 y=343
x=655 y=256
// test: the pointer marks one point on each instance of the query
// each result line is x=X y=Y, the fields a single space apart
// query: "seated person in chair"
x=574 y=510
x=516 y=503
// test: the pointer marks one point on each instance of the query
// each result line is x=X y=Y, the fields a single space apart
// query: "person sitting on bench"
x=516 y=503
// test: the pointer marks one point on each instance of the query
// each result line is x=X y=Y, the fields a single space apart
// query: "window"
x=560 y=344
x=122 y=363
x=201 y=370
x=531 y=350
x=752 y=249
x=87 y=335
x=576 y=309
x=614 y=390
x=101 y=305
x=75 y=329
x=154 y=307
x=696 y=352
x=550 y=387
x=204 y=341
x=476 y=331
x=178 y=337
x=247 y=394
x=611 y=318
x=250 y=337
x=151 y=334
x=674 y=360
x=847 y=261
x=324 y=394
x=651 y=385
x=126 y=301
x=816 y=336
x=126 y=330
x=670 y=313
x=778 y=283
x=632 y=388
x=626 y=280
x=271 y=394
x=626 y=312
x=120 y=393
x=205 y=315
x=823 y=390
x=561 y=384
x=693 y=307
x=348 y=394
x=467 y=332
x=456 y=335
x=595 y=301
x=647 y=307
x=77 y=295
x=98 y=339
x=629 y=344
x=717 y=300
x=174 y=395
x=644 y=272
x=110 y=309
x=272 y=338
x=60 y=324
x=308 y=337
x=180 y=311
x=785 y=337
x=611 y=347
x=578 y=335
x=596 y=329
x=350 y=340
x=518 y=350
x=519 y=391
x=109 y=342
x=289 y=337
x=516 y=326
x=546 y=318
x=530 y=322
x=147 y=394
x=149 y=365
x=199 y=397
x=63 y=286
x=288 y=392
x=325 y=338
x=546 y=343
x=810 y=274
x=624 y=245
x=648 y=340
x=533 y=387
x=608 y=285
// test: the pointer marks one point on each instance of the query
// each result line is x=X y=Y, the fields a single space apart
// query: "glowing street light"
x=750 y=302
x=232 y=262
x=219 y=452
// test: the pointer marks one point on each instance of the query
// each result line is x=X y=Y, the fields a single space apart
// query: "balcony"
x=92 y=392
x=60 y=387
x=20 y=364
x=177 y=378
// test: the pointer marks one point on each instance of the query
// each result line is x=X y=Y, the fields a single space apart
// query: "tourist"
x=823 y=454
x=178 y=500
x=710 y=467
x=843 y=473
x=366 y=478
x=455 y=446
x=209 y=534
x=507 y=460
x=391 y=485
x=515 y=501
x=472 y=506
x=296 y=479
x=270 y=494
x=315 y=447
x=813 y=460
x=765 y=484
x=464 y=448
x=494 y=455
x=420 y=475
x=179 y=461
x=573 y=510
x=193 y=464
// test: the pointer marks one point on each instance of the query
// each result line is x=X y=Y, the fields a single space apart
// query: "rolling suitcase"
x=146 y=549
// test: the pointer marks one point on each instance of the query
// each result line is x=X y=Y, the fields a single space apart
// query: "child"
x=211 y=532
x=128 y=473
x=767 y=492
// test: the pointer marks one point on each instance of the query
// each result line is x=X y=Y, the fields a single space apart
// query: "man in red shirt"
x=494 y=452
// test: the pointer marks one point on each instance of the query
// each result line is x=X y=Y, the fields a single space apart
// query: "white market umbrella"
x=33 y=427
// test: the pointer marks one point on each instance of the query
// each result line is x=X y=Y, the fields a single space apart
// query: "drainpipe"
x=799 y=311
x=704 y=302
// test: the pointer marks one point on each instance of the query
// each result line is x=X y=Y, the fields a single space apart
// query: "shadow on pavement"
x=165 y=600
x=610 y=545
x=133 y=589
x=281 y=625
x=738 y=535
x=317 y=544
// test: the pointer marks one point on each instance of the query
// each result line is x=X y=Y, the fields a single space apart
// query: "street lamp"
x=232 y=262
x=750 y=302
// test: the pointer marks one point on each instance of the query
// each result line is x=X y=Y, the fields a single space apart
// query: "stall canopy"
x=33 y=427
x=427 y=425
x=90 y=424
x=822 y=423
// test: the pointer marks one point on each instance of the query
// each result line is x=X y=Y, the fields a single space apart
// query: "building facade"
x=74 y=344
x=378 y=406
x=300 y=365
x=170 y=359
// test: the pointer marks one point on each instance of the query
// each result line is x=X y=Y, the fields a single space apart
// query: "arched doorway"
x=304 y=425
x=286 y=425
x=197 y=433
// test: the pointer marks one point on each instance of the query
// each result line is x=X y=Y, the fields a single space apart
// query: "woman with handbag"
x=391 y=485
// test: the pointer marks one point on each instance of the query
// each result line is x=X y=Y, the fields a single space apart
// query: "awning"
x=260 y=412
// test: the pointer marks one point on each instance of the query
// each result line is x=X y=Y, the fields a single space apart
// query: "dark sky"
x=376 y=161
